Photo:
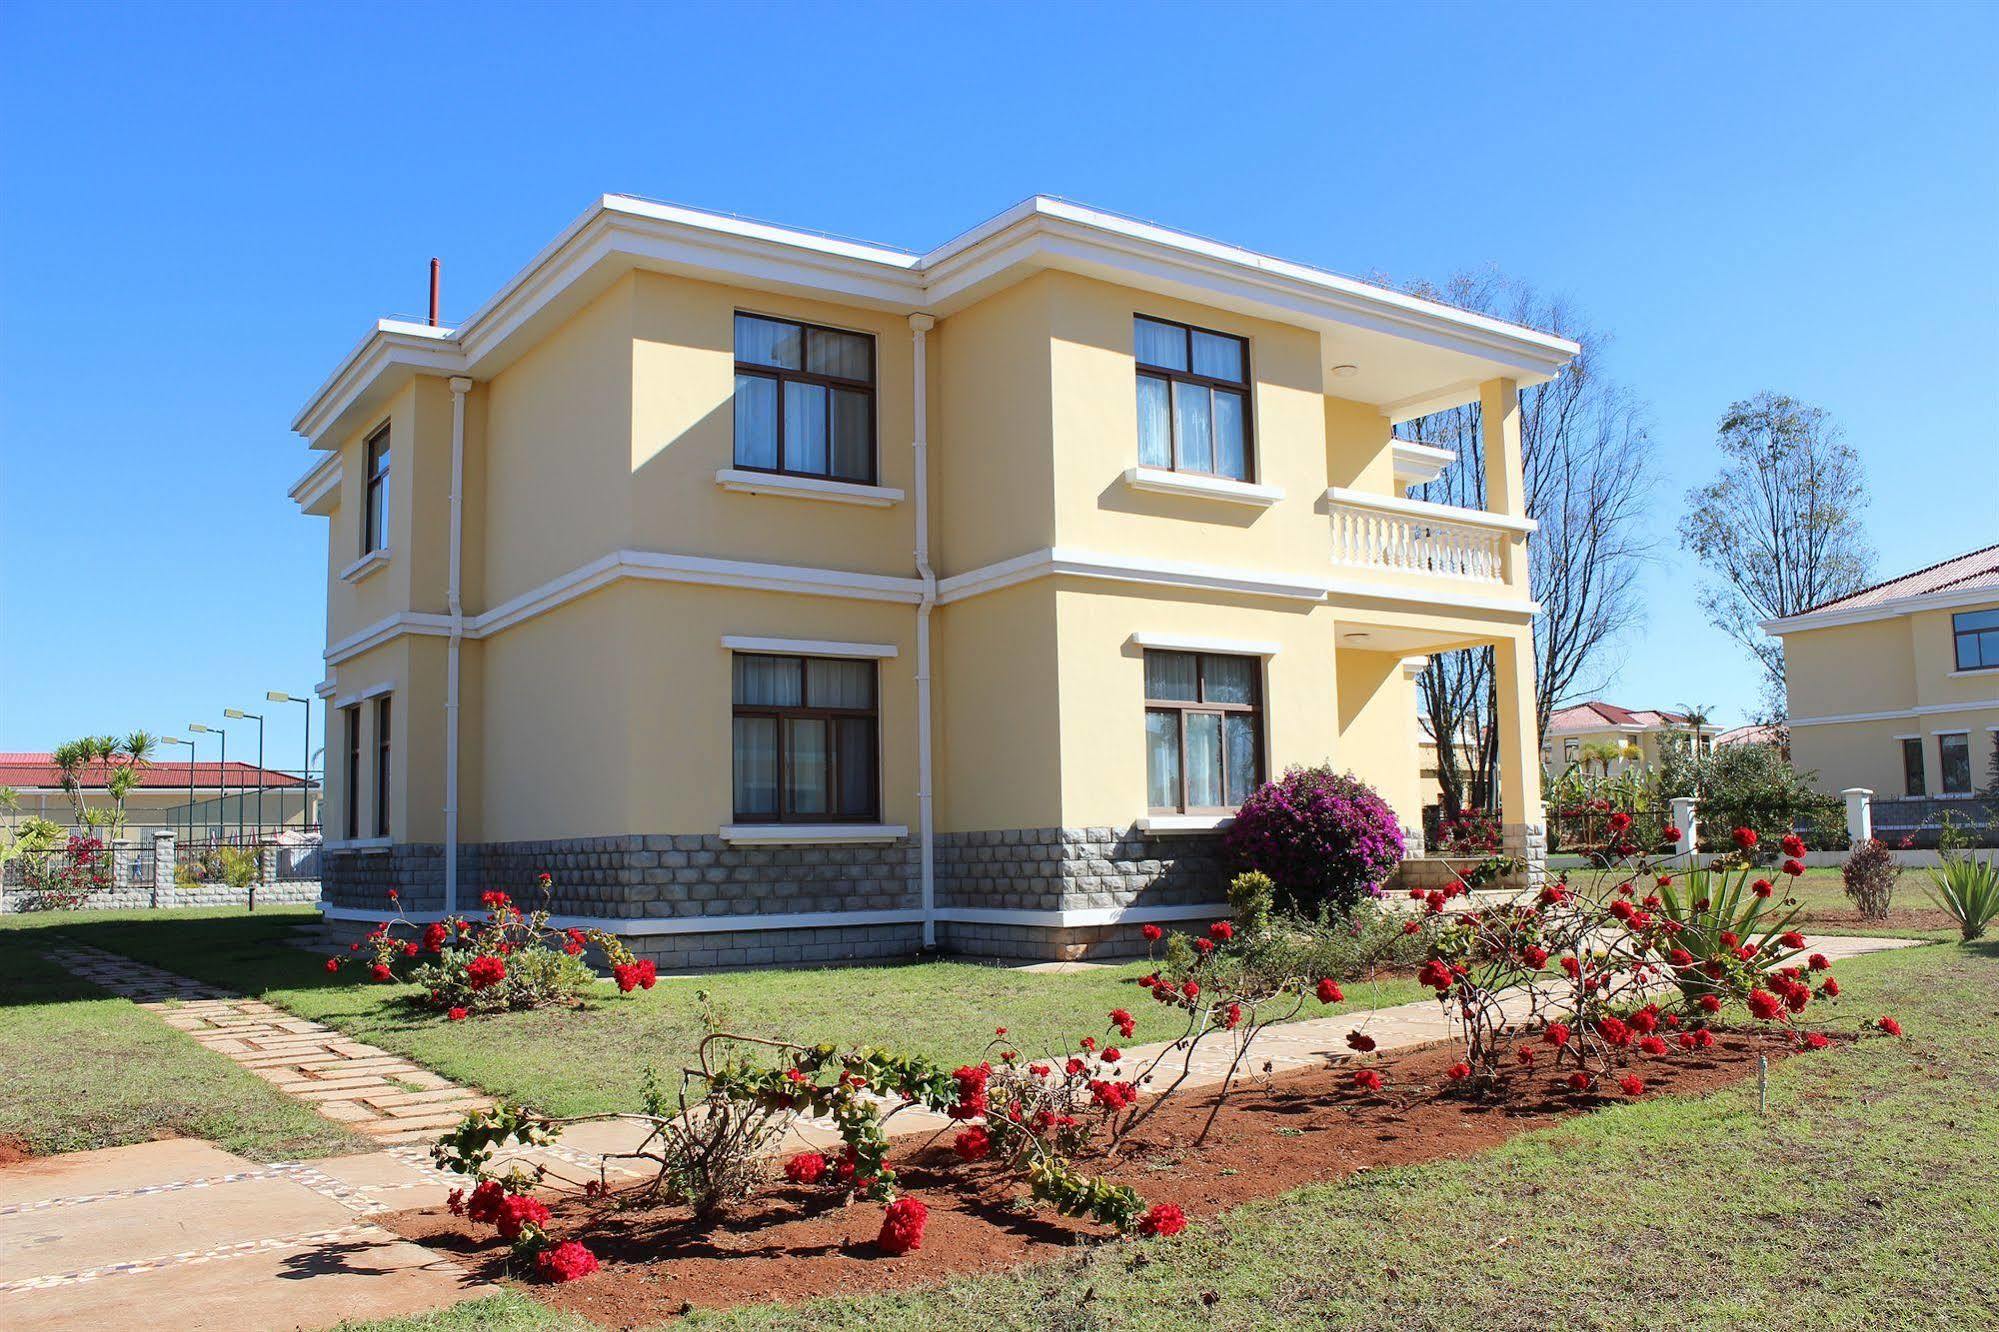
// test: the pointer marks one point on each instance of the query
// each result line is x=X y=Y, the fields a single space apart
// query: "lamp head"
x=197 y=726
x=279 y=696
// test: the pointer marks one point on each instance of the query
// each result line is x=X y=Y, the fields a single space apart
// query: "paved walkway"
x=197 y=1238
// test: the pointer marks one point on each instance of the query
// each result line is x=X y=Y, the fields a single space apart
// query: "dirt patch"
x=1899 y=918
x=794 y=1243
x=13 y=1150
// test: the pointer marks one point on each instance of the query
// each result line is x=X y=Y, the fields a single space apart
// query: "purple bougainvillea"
x=1323 y=837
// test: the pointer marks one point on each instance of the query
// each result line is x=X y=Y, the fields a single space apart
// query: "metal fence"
x=1585 y=829
x=1921 y=822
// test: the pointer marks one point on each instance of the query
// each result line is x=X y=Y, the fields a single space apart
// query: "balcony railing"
x=1416 y=537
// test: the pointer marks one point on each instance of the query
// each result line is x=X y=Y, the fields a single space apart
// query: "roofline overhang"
x=618 y=233
x=1942 y=599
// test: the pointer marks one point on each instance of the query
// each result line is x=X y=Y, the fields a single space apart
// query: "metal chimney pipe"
x=435 y=269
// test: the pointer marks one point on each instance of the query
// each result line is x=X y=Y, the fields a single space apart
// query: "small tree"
x=1869 y=873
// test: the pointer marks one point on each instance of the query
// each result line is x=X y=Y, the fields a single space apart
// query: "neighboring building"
x=1896 y=687
x=1640 y=735
x=162 y=797
x=1756 y=733
x=790 y=598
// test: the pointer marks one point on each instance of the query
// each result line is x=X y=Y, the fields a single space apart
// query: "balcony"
x=1389 y=534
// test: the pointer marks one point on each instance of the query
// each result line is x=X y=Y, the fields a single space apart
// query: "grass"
x=1867 y=1197
x=82 y=1069
x=1910 y=913
x=591 y=1060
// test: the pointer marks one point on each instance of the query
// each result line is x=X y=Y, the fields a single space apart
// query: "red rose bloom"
x=1525 y=1054
x=565 y=1262
x=484 y=971
x=333 y=964
x=1794 y=867
x=972 y=1144
x=1745 y=838
x=1556 y=1035
x=381 y=972
x=1125 y=1023
x=1791 y=939
x=1232 y=1020
x=1652 y=1045
x=1710 y=1003
x=1190 y=989
x=1164 y=1219
x=1458 y=1072
x=1816 y=1040
x=1618 y=822
x=1534 y=956
x=1434 y=974
x=1579 y=1082
x=807 y=1167
x=1367 y=1079
x=1632 y=1084
x=518 y=1210
x=971 y=1096
x=1221 y=931
x=484 y=1204
x=1329 y=992
x=1819 y=962
x=458 y=1014
x=1764 y=1005
x=1793 y=844
x=1152 y=933
x=902 y=1226
x=1829 y=987
x=1889 y=1025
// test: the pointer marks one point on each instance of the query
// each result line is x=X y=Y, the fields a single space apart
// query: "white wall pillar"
x=1859 y=814
x=1685 y=812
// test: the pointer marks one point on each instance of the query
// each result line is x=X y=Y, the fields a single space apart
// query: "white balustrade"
x=1412 y=536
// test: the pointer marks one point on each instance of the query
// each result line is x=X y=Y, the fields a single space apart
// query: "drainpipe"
x=921 y=324
x=460 y=386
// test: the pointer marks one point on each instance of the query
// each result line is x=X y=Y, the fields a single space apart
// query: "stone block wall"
x=1068 y=869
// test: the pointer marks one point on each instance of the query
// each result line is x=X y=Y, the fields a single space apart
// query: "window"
x=1977 y=635
x=1193 y=399
x=1571 y=748
x=351 y=718
x=375 y=504
x=1954 y=751
x=806 y=740
x=382 y=766
x=1203 y=741
x=805 y=400
x=1912 y=767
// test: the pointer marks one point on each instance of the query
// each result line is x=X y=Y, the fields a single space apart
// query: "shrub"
x=1326 y=839
x=1870 y=872
x=57 y=880
x=1967 y=889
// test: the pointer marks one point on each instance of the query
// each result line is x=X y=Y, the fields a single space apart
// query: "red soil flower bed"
x=795 y=1242
x=13 y=1150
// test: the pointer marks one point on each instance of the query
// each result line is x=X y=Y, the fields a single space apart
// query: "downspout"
x=460 y=386
x=921 y=324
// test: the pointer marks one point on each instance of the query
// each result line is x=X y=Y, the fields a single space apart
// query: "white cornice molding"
x=811 y=834
x=1517 y=610
x=806 y=488
x=1897 y=714
x=808 y=647
x=320 y=482
x=386 y=630
x=1444 y=513
x=1948 y=599
x=627 y=927
x=1058 y=562
x=1419 y=464
x=1164 y=481
x=1241 y=647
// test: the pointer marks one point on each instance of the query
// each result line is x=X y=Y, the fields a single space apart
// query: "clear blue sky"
x=201 y=208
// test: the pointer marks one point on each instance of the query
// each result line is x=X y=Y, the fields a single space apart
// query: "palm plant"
x=1966 y=889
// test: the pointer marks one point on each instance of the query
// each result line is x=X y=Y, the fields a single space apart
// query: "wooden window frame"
x=1957 y=637
x=375 y=481
x=1943 y=766
x=1915 y=782
x=805 y=712
x=1253 y=708
x=1245 y=388
x=350 y=716
x=384 y=759
x=781 y=377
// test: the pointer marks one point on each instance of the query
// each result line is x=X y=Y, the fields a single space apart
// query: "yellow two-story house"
x=789 y=598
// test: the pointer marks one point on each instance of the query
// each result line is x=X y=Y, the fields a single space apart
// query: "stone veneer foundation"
x=686 y=877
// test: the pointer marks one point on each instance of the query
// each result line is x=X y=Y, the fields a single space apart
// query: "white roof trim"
x=808 y=647
x=320 y=481
x=1036 y=232
x=1419 y=464
x=1241 y=647
x=1943 y=599
x=1928 y=709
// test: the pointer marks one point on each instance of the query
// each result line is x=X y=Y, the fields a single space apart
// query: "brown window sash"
x=1241 y=388
x=1184 y=707
x=781 y=377
x=834 y=759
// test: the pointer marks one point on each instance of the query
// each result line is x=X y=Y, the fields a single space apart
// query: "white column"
x=1685 y=813
x=164 y=861
x=1859 y=814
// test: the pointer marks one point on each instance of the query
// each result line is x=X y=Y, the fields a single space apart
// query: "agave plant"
x=1719 y=912
x=1967 y=890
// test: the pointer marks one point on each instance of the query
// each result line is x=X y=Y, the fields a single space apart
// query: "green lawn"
x=1867 y=1197
x=1827 y=910
x=81 y=1069
x=579 y=1062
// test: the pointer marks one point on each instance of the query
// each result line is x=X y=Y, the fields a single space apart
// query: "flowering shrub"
x=1324 y=838
x=522 y=1221
x=506 y=960
x=1469 y=833
x=57 y=880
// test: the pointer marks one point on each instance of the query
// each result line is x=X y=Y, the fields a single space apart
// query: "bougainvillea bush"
x=1325 y=838
x=506 y=959
x=59 y=879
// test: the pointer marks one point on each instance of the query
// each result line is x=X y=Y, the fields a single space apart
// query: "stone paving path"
x=371 y=1091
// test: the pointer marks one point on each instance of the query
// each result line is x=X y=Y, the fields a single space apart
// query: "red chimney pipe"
x=435 y=269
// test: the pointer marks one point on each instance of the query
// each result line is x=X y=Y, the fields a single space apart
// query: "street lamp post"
x=304 y=773
x=222 y=769
x=176 y=740
x=239 y=715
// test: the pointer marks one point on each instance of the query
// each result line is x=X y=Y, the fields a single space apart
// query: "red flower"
x=1791 y=939
x=1152 y=933
x=1614 y=1031
x=1710 y=1003
x=1164 y=1219
x=1819 y=962
x=434 y=935
x=565 y=1262
x=1889 y=1025
x=1618 y=822
x=1763 y=888
x=458 y=1014
x=1113 y=1096
x=1572 y=967
x=971 y=1096
x=1816 y=1040
x=1794 y=867
x=1632 y=1084
x=1579 y=1082
x=1764 y=1005
x=902 y=1226
x=333 y=964
x=1652 y=1045
x=1556 y=1035
x=1205 y=945
x=1793 y=844
x=1525 y=1054
x=409 y=949
x=1360 y=1041
x=1221 y=931
x=1367 y=1079
x=484 y=971
x=1534 y=956
x=1745 y=838
x=1829 y=987
x=1680 y=957
x=1434 y=974
x=807 y=1167
x=381 y=972
x=972 y=1144
x=1458 y=1072
x=1111 y=1054
x=518 y=1210
x=484 y=1204
x=1125 y=1023
x=1190 y=989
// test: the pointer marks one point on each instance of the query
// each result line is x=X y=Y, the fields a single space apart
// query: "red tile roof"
x=26 y=771
x=1977 y=568
x=1597 y=714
